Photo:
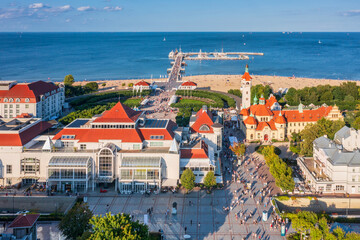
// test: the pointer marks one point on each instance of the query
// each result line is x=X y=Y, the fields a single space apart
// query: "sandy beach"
x=225 y=82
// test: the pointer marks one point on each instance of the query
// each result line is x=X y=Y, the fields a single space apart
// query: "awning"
x=69 y=161
x=169 y=182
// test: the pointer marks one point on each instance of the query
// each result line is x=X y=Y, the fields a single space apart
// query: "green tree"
x=326 y=97
x=130 y=85
x=76 y=221
x=210 y=180
x=188 y=179
x=117 y=227
x=103 y=84
x=91 y=86
x=69 y=80
x=292 y=97
x=238 y=149
x=313 y=131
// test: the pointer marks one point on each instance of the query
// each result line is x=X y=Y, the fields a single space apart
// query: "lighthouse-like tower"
x=246 y=88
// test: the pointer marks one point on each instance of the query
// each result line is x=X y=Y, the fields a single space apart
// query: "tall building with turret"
x=246 y=88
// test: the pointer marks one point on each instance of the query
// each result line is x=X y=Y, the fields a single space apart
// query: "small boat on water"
x=320 y=42
x=164 y=40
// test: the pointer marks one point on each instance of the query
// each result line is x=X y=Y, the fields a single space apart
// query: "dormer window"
x=18 y=100
x=67 y=137
x=156 y=137
x=6 y=100
x=27 y=100
x=204 y=127
x=11 y=100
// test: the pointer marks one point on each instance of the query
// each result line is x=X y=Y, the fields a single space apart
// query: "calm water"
x=35 y=56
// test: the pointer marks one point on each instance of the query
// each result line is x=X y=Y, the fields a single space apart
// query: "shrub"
x=260 y=148
x=283 y=198
x=130 y=85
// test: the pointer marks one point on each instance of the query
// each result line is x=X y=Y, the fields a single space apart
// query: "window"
x=17 y=106
x=5 y=105
x=321 y=188
x=10 y=106
x=54 y=173
x=328 y=187
x=27 y=100
x=136 y=146
x=339 y=188
x=156 y=144
x=11 y=100
x=68 y=144
x=5 y=111
x=18 y=100
x=156 y=137
x=353 y=169
x=6 y=100
x=8 y=169
x=30 y=165
x=105 y=163
x=80 y=173
x=83 y=146
x=353 y=178
x=204 y=127
x=126 y=173
x=66 y=173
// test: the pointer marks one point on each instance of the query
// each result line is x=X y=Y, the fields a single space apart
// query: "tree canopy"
x=69 y=80
x=76 y=221
x=188 y=179
x=238 y=149
x=91 y=86
x=260 y=90
x=346 y=95
x=119 y=227
x=278 y=168
x=315 y=227
x=210 y=180
x=313 y=131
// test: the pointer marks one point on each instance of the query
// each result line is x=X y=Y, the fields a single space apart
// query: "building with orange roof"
x=246 y=88
x=39 y=99
x=188 y=85
x=141 y=85
x=267 y=121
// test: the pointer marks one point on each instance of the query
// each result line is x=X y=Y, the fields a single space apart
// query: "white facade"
x=334 y=168
x=38 y=99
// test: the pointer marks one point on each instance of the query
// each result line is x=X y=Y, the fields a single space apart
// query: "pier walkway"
x=175 y=71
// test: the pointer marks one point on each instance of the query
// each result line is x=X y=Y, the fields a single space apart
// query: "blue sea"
x=99 y=56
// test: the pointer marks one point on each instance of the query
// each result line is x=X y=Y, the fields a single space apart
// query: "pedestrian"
x=199 y=224
x=191 y=222
x=185 y=229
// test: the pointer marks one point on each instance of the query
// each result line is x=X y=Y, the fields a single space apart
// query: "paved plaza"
x=201 y=213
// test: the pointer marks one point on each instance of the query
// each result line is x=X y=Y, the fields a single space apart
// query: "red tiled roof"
x=142 y=83
x=120 y=113
x=203 y=117
x=97 y=134
x=271 y=124
x=271 y=101
x=147 y=132
x=33 y=91
x=246 y=76
x=280 y=119
x=188 y=83
x=24 y=221
x=260 y=110
x=20 y=139
x=307 y=115
x=250 y=121
x=193 y=153
x=244 y=112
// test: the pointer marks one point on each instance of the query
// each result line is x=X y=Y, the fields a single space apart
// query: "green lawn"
x=192 y=101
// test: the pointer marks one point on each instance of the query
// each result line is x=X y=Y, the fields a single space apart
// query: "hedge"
x=219 y=99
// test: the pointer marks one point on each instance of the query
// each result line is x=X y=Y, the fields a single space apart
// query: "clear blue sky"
x=183 y=15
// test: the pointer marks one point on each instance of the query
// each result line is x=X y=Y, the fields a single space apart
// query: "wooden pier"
x=176 y=69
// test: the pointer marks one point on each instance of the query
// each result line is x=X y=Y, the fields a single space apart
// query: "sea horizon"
x=31 y=56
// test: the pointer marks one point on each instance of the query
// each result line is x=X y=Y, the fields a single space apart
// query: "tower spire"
x=247 y=68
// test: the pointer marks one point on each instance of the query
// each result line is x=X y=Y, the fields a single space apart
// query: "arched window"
x=18 y=100
x=11 y=100
x=106 y=163
x=251 y=136
x=6 y=100
x=204 y=127
x=27 y=100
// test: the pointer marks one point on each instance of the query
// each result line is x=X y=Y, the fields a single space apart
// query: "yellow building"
x=265 y=120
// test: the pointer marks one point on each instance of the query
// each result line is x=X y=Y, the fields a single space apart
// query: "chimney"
x=204 y=108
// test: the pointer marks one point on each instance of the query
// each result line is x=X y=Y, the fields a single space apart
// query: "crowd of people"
x=247 y=175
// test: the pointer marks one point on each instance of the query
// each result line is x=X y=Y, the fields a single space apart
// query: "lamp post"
x=14 y=203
